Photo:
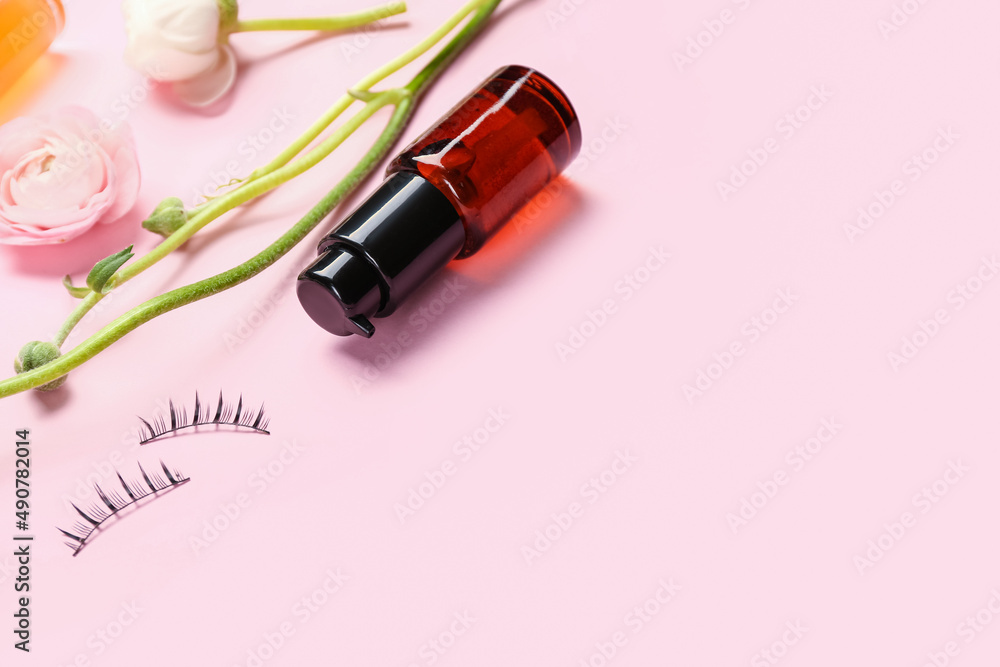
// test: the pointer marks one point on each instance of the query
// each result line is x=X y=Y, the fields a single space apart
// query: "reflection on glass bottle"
x=27 y=29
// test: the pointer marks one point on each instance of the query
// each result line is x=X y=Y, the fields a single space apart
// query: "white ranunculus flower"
x=179 y=41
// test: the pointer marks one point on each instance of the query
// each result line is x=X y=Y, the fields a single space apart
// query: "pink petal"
x=17 y=137
x=106 y=183
x=20 y=235
x=128 y=176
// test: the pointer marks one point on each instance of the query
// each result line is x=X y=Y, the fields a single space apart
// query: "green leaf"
x=75 y=292
x=106 y=268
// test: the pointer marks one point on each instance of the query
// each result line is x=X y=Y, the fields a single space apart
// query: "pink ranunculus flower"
x=61 y=173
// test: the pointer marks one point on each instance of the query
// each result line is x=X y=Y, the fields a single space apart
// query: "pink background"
x=788 y=582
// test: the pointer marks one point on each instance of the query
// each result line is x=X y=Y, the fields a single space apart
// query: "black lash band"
x=224 y=415
x=111 y=503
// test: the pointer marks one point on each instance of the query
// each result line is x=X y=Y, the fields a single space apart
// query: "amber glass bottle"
x=27 y=28
x=496 y=149
x=444 y=197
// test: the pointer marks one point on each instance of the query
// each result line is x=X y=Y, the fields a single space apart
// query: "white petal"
x=191 y=27
x=212 y=85
x=163 y=64
x=171 y=40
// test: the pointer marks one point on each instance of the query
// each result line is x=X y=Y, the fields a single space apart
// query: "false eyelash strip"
x=203 y=415
x=112 y=503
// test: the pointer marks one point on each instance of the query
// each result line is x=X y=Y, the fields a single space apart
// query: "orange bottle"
x=27 y=28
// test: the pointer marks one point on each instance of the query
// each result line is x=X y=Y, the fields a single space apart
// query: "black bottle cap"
x=403 y=233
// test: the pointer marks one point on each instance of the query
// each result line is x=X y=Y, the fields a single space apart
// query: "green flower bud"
x=166 y=218
x=34 y=355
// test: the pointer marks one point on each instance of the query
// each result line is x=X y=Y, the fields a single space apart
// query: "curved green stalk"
x=78 y=313
x=255 y=189
x=279 y=171
x=223 y=281
x=275 y=173
x=365 y=84
x=343 y=22
x=408 y=57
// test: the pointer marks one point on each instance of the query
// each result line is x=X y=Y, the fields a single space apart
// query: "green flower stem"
x=324 y=121
x=258 y=187
x=435 y=37
x=365 y=84
x=220 y=282
x=223 y=281
x=74 y=318
x=426 y=76
x=344 y=22
x=279 y=171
